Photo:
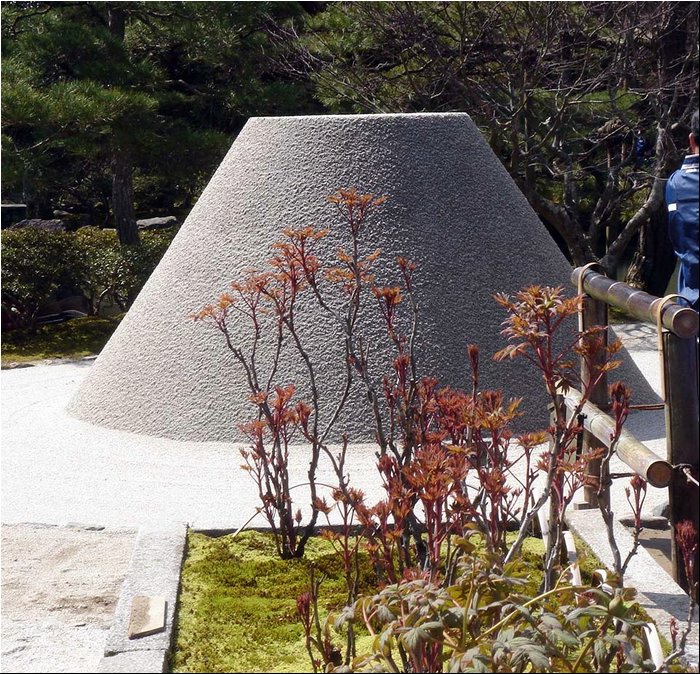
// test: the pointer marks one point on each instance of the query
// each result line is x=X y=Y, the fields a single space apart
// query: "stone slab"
x=147 y=616
x=154 y=570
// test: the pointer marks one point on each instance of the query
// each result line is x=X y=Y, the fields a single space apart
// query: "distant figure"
x=682 y=202
x=643 y=150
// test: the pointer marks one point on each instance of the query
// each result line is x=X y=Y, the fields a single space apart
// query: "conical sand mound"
x=453 y=209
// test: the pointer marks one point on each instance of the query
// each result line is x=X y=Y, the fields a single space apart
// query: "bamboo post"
x=682 y=445
x=594 y=312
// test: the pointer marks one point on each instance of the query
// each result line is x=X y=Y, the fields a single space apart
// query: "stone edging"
x=154 y=570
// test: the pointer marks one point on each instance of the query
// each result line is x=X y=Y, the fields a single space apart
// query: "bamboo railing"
x=678 y=329
x=656 y=471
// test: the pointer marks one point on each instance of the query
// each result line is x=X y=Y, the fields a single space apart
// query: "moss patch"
x=73 y=339
x=237 y=606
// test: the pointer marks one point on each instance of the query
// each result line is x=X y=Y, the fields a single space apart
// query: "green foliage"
x=106 y=269
x=168 y=91
x=73 y=339
x=35 y=264
x=101 y=264
x=142 y=260
x=485 y=622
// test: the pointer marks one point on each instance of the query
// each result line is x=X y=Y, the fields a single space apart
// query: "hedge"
x=39 y=266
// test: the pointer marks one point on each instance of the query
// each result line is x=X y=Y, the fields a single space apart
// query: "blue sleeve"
x=682 y=203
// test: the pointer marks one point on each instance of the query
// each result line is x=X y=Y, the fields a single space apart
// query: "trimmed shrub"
x=36 y=264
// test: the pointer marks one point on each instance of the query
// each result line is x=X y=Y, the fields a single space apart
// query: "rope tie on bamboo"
x=687 y=471
x=579 y=288
x=660 y=339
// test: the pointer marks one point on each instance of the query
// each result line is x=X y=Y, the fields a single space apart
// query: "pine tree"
x=113 y=108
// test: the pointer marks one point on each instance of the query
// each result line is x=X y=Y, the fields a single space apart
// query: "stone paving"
x=59 y=592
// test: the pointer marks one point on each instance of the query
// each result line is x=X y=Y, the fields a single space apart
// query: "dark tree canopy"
x=112 y=108
x=561 y=90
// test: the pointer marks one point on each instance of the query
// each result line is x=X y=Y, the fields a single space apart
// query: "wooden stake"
x=595 y=312
x=682 y=445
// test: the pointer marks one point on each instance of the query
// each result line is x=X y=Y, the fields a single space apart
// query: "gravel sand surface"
x=60 y=583
x=59 y=589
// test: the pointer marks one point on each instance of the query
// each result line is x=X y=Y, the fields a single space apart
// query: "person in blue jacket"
x=683 y=218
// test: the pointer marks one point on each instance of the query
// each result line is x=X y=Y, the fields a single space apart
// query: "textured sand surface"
x=453 y=209
x=59 y=589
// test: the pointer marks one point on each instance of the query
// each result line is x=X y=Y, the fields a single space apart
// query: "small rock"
x=54 y=225
x=657 y=523
x=85 y=527
x=157 y=223
x=662 y=510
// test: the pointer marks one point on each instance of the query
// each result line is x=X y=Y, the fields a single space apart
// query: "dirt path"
x=59 y=589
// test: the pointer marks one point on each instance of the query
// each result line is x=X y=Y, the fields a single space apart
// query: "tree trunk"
x=116 y=20
x=652 y=204
x=654 y=260
x=557 y=217
x=123 y=200
x=122 y=170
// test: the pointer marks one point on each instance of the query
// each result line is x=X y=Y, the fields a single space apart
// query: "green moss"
x=237 y=606
x=73 y=339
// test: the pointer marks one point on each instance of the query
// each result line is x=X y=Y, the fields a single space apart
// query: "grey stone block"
x=134 y=662
x=452 y=208
x=157 y=223
x=154 y=570
x=54 y=225
x=147 y=616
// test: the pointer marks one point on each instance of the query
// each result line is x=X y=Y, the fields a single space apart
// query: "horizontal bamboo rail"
x=682 y=321
x=678 y=349
x=656 y=471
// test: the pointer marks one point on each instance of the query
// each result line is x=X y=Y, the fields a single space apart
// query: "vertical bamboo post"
x=594 y=312
x=682 y=445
